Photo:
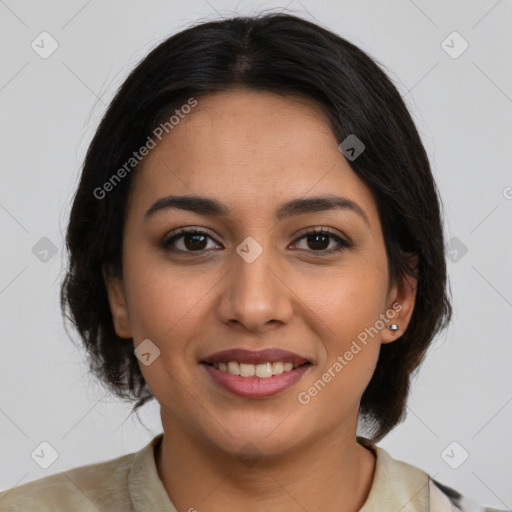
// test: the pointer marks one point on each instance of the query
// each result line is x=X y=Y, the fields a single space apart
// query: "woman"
x=255 y=242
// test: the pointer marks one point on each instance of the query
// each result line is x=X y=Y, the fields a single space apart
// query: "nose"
x=256 y=296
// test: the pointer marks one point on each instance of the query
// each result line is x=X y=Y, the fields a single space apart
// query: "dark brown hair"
x=287 y=55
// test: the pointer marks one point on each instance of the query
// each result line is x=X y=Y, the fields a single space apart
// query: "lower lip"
x=256 y=387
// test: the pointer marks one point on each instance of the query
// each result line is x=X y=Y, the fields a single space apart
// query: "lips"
x=255 y=387
x=255 y=374
x=269 y=355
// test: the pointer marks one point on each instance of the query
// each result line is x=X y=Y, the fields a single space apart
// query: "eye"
x=196 y=241
x=318 y=241
x=190 y=240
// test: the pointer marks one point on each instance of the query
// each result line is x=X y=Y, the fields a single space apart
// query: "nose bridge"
x=255 y=296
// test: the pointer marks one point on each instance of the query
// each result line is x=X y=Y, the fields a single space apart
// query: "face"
x=255 y=276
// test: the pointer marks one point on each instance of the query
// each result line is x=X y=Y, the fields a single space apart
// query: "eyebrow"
x=213 y=208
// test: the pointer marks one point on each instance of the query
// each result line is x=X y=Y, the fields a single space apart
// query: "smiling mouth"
x=262 y=370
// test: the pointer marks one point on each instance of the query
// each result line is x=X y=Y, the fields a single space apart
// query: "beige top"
x=131 y=483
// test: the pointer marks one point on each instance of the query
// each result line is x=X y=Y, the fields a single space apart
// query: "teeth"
x=233 y=368
x=263 y=370
x=277 y=368
x=247 y=370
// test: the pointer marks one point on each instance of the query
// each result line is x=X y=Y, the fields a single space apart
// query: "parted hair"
x=288 y=55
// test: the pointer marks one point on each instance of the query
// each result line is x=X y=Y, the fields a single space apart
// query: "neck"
x=330 y=471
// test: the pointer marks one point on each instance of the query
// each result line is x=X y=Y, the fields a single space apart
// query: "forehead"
x=250 y=149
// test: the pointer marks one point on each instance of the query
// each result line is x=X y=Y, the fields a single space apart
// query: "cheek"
x=167 y=306
x=346 y=300
x=167 y=303
x=350 y=350
x=348 y=319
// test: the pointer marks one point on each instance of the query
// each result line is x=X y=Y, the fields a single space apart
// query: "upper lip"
x=255 y=357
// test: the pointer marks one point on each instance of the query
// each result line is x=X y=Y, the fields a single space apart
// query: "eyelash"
x=343 y=244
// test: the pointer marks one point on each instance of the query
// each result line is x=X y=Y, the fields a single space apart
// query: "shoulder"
x=90 y=488
x=444 y=498
x=416 y=490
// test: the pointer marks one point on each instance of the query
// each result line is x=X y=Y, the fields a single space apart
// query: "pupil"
x=196 y=238
x=315 y=241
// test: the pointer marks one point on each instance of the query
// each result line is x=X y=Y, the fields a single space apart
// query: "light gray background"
x=463 y=108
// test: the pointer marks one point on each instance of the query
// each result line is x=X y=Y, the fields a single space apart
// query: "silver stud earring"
x=393 y=327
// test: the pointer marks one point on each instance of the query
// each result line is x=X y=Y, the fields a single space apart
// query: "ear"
x=117 y=300
x=400 y=305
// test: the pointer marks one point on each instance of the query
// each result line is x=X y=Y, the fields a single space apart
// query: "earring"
x=393 y=327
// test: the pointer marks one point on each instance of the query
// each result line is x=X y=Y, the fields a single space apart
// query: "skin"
x=254 y=151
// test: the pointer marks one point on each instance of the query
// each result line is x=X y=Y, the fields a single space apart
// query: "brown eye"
x=187 y=240
x=318 y=241
x=194 y=241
